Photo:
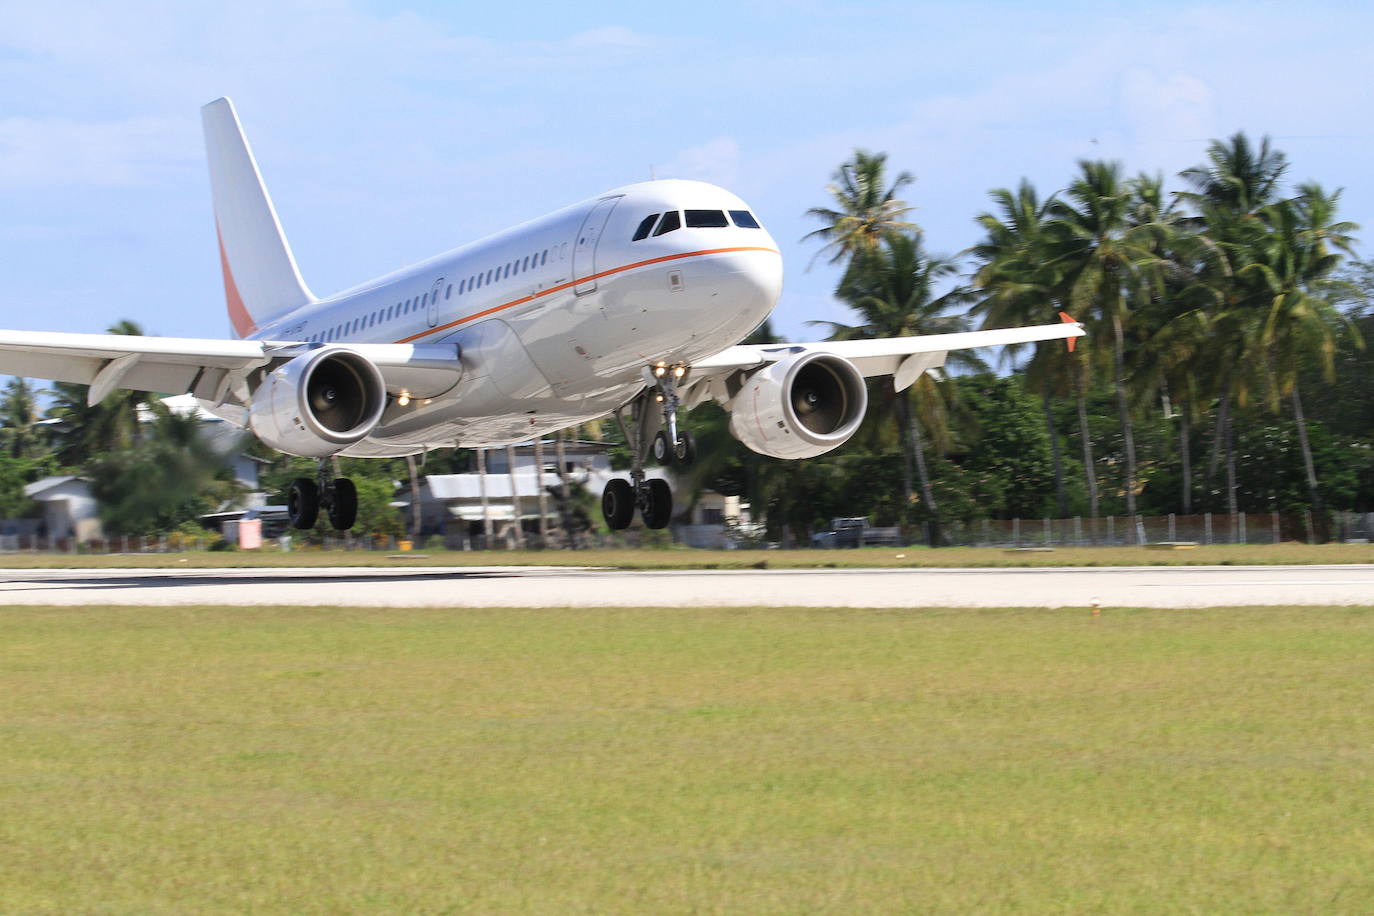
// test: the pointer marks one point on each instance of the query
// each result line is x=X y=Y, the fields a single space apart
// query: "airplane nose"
x=758 y=279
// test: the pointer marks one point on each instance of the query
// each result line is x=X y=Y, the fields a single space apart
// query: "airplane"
x=631 y=303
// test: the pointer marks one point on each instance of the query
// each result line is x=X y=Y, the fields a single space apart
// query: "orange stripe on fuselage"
x=571 y=283
x=238 y=313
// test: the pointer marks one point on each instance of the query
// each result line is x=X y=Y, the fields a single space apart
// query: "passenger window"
x=448 y=293
x=424 y=300
x=544 y=258
x=744 y=219
x=671 y=221
x=525 y=264
x=643 y=231
x=706 y=219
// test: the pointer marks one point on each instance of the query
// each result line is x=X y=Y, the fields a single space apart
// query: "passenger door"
x=434 y=295
x=584 y=249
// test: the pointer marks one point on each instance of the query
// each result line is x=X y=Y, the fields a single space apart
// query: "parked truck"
x=855 y=532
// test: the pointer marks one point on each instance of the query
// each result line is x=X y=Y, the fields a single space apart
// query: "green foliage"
x=171 y=476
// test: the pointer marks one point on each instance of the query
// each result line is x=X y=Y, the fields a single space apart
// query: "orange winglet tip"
x=1068 y=319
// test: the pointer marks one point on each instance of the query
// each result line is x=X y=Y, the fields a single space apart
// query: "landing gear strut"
x=337 y=495
x=651 y=429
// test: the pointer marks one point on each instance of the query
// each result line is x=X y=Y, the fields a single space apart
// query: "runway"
x=495 y=586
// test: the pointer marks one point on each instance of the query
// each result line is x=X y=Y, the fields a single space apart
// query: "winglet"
x=1068 y=319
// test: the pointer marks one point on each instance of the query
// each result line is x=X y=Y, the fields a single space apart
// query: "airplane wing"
x=904 y=358
x=217 y=370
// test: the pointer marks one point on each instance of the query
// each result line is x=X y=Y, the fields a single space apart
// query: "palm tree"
x=19 y=417
x=87 y=430
x=1228 y=193
x=892 y=288
x=1107 y=259
x=1018 y=288
x=865 y=211
x=1299 y=324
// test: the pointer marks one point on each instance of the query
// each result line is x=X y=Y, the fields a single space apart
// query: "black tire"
x=303 y=503
x=660 y=504
x=663 y=455
x=344 y=510
x=685 y=451
x=618 y=504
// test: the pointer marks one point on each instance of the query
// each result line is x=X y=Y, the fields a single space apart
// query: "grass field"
x=672 y=761
x=1225 y=555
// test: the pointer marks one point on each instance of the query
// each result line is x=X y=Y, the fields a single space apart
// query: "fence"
x=1208 y=528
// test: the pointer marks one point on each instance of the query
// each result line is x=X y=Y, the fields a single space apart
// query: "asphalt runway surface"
x=495 y=586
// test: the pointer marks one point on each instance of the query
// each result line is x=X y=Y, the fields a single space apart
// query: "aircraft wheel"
x=685 y=451
x=303 y=503
x=658 y=508
x=343 y=512
x=618 y=504
x=663 y=454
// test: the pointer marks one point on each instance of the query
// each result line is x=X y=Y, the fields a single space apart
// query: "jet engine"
x=800 y=407
x=319 y=403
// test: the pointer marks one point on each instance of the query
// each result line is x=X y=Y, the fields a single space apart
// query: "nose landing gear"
x=655 y=406
x=336 y=495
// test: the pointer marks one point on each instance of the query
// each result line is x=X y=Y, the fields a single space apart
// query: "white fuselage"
x=556 y=318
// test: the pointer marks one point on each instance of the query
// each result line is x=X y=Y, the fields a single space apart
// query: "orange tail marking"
x=238 y=313
x=1068 y=319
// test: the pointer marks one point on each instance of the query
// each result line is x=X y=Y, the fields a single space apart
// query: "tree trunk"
x=904 y=424
x=1230 y=441
x=1085 y=434
x=1218 y=437
x=565 y=514
x=543 y=494
x=1124 y=407
x=482 y=489
x=1185 y=454
x=1314 y=493
x=918 y=450
x=412 y=470
x=516 y=529
x=1061 y=499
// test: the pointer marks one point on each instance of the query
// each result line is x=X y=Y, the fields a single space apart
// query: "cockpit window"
x=744 y=219
x=644 y=227
x=706 y=219
x=671 y=221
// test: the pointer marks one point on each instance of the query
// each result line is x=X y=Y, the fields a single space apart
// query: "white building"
x=69 y=509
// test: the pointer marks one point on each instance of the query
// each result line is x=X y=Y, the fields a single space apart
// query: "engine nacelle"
x=318 y=404
x=800 y=407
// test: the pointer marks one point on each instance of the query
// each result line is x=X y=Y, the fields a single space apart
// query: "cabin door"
x=584 y=249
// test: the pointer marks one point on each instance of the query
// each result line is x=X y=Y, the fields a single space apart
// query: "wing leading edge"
x=210 y=369
x=904 y=358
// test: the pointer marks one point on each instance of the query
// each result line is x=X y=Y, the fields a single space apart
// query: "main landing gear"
x=654 y=406
x=337 y=495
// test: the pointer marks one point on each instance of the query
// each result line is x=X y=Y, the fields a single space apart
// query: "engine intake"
x=800 y=407
x=318 y=404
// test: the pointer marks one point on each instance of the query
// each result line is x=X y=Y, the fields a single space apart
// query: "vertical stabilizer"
x=261 y=280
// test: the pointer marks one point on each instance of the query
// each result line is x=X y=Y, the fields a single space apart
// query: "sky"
x=388 y=132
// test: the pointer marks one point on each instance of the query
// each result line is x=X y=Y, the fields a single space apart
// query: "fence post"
x=1307 y=518
x=987 y=533
x=1048 y=534
x=1016 y=532
x=1111 y=530
x=1078 y=531
x=1274 y=523
x=1173 y=528
x=1207 y=528
x=1242 y=529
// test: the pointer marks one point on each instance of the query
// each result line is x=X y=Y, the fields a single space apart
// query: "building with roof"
x=69 y=509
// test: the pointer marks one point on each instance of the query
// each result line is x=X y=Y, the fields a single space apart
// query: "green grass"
x=1225 y=555
x=288 y=760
